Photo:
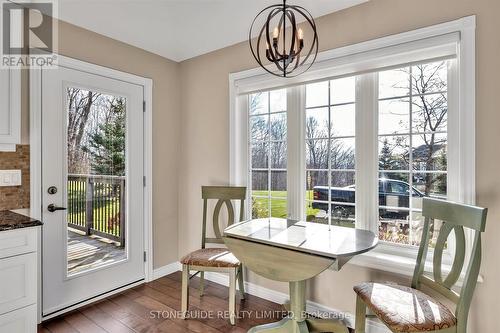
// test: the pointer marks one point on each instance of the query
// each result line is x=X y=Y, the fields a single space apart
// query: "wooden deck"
x=88 y=252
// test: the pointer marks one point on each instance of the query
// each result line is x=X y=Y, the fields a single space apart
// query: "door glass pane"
x=96 y=185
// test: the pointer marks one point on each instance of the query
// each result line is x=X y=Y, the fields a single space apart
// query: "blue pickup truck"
x=392 y=193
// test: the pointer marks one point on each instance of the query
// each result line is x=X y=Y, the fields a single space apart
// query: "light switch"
x=10 y=178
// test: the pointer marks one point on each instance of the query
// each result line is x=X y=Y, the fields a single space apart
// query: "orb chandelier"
x=282 y=41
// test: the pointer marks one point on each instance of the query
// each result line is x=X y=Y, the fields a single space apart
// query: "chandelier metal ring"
x=284 y=44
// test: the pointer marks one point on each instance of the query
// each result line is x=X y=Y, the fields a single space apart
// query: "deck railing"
x=96 y=205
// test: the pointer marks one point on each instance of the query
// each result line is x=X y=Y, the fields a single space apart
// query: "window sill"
x=397 y=264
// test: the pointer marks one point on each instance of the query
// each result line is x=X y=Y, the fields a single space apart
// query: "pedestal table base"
x=297 y=322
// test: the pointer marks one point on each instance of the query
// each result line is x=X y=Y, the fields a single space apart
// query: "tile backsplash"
x=15 y=197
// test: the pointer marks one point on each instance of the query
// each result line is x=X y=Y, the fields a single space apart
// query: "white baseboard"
x=372 y=326
x=166 y=270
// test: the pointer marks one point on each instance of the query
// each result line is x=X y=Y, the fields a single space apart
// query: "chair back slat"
x=458 y=214
x=230 y=211
x=455 y=217
x=458 y=261
x=223 y=192
x=224 y=196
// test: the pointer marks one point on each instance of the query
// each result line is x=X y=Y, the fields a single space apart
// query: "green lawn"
x=260 y=207
x=105 y=212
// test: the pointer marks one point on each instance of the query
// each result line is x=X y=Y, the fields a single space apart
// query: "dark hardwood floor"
x=153 y=307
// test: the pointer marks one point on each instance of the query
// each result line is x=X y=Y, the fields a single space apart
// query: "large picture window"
x=412 y=112
x=361 y=138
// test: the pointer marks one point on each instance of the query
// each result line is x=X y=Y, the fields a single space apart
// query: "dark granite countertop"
x=10 y=221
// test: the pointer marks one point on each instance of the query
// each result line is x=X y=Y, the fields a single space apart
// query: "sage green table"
x=294 y=252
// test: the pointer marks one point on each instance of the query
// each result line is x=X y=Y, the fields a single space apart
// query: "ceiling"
x=178 y=29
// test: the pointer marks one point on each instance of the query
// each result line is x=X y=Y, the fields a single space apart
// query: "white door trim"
x=35 y=150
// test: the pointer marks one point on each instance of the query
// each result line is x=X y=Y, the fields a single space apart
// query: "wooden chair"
x=215 y=259
x=405 y=309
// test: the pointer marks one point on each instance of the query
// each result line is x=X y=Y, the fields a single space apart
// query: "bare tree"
x=79 y=108
x=269 y=149
x=431 y=113
x=341 y=156
x=317 y=150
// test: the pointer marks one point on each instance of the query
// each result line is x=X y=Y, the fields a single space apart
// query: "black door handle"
x=52 y=208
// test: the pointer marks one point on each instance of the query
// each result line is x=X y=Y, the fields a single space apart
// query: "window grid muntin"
x=333 y=202
x=331 y=105
x=441 y=92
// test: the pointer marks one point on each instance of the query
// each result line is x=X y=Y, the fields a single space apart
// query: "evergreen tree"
x=389 y=161
x=441 y=183
x=107 y=145
x=386 y=159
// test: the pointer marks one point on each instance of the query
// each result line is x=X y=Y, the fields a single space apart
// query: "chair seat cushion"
x=404 y=309
x=214 y=257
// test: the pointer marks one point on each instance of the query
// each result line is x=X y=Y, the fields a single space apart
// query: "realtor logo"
x=28 y=34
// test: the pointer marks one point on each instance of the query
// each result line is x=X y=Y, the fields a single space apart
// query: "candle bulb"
x=276 y=33
x=300 y=34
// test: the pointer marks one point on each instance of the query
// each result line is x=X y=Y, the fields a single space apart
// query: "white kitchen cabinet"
x=17 y=241
x=18 y=275
x=19 y=280
x=10 y=109
x=20 y=321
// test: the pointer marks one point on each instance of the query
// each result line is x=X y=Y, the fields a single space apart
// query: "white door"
x=92 y=186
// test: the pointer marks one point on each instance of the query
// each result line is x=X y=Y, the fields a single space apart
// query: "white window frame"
x=404 y=48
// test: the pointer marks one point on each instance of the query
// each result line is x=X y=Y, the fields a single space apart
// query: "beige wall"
x=204 y=133
x=88 y=46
